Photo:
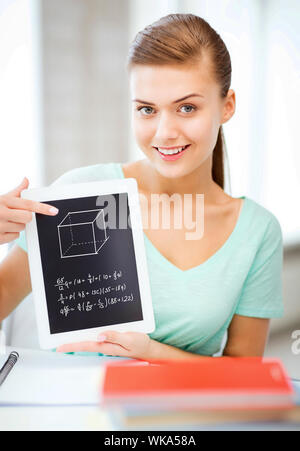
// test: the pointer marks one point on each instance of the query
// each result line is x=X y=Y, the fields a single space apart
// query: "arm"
x=161 y=351
x=134 y=345
x=246 y=337
x=15 y=281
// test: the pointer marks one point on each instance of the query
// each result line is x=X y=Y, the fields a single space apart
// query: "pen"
x=8 y=366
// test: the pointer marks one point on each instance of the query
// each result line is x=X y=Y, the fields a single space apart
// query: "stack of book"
x=197 y=392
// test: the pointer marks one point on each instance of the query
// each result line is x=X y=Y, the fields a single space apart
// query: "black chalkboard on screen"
x=91 y=261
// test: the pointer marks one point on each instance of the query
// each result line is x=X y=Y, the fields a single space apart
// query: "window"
x=19 y=89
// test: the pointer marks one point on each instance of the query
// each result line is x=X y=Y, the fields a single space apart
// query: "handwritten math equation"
x=75 y=297
x=63 y=284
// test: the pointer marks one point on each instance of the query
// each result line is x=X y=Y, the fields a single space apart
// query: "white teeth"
x=172 y=151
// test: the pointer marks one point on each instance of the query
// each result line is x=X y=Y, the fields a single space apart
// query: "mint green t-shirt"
x=194 y=308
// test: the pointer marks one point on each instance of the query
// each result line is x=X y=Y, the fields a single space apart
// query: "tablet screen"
x=88 y=263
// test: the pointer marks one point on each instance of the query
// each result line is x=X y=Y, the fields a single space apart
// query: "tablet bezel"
x=78 y=190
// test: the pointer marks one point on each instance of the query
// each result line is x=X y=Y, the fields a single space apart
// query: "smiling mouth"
x=173 y=156
x=170 y=152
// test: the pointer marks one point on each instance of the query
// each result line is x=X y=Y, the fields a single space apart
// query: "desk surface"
x=49 y=378
x=39 y=392
x=61 y=409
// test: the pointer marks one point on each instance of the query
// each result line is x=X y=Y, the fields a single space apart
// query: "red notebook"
x=209 y=383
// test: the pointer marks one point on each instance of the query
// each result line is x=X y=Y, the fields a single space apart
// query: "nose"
x=166 y=129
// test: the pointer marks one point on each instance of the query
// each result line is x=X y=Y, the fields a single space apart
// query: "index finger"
x=31 y=205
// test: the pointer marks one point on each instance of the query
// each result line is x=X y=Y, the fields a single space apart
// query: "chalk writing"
x=88 y=306
x=85 y=300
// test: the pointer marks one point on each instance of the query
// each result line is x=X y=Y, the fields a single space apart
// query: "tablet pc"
x=88 y=264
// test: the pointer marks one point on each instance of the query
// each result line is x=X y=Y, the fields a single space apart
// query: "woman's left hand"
x=135 y=345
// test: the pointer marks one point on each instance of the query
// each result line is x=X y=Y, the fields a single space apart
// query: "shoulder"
x=261 y=295
x=92 y=173
x=262 y=225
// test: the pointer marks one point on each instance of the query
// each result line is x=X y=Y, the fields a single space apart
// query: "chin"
x=173 y=172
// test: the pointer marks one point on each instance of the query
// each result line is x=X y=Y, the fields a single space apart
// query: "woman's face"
x=161 y=120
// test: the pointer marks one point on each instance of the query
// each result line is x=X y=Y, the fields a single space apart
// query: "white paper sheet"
x=49 y=378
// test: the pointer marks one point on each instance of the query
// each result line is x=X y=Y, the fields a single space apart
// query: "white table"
x=63 y=418
x=41 y=372
x=52 y=391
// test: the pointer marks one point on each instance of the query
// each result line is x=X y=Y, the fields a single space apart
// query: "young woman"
x=226 y=282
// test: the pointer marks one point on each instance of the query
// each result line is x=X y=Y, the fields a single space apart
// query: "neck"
x=199 y=181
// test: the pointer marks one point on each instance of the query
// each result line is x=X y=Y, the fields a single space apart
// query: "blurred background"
x=65 y=103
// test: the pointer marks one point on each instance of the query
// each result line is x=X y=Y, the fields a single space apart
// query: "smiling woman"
x=225 y=280
x=172 y=124
x=184 y=41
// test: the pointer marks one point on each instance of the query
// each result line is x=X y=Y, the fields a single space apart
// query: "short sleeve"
x=21 y=241
x=262 y=295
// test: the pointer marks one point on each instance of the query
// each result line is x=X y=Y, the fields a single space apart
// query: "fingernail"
x=101 y=338
x=53 y=210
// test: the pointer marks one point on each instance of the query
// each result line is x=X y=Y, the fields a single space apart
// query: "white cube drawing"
x=82 y=233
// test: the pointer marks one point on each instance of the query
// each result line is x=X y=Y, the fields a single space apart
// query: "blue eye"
x=183 y=106
x=189 y=106
x=147 y=108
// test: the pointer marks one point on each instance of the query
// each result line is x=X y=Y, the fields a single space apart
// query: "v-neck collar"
x=206 y=264
x=162 y=260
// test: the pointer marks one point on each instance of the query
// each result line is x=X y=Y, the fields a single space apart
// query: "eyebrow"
x=175 y=101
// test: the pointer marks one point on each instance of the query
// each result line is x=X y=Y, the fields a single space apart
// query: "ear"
x=228 y=106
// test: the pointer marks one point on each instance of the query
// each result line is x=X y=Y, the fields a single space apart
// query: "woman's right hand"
x=16 y=212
